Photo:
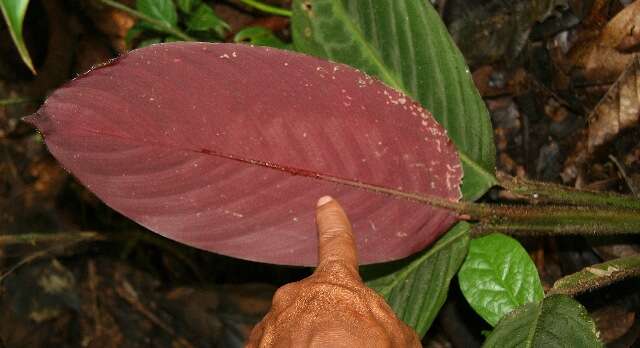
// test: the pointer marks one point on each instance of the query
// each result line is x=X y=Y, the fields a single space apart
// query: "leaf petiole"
x=160 y=25
x=267 y=8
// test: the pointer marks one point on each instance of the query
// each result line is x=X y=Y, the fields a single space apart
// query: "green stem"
x=538 y=192
x=160 y=25
x=531 y=219
x=267 y=8
x=597 y=276
x=15 y=100
x=553 y=220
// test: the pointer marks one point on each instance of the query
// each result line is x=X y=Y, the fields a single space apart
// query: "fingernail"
x=324 y=200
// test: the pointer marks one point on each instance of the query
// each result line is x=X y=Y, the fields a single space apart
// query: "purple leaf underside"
x=227 y=147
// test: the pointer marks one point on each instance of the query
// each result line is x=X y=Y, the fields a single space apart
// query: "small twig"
x=34 y=238
x=268 y=8
x=93 y=286
x=34 y=256
x=160 y=25
x=15 y=100
x=76 y=237
x=623 y=172
x=127 y=293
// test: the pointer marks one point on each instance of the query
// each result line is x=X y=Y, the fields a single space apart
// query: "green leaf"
x=204 y=19
x=14 y=12
x=556 y=321
x=498 y=276
x=187 y=6
x=172 y=38
x=149 y=42
x=259 y=36
x=597 y=276
x=163 y=10
x=134 y=32
x=406 y=45
x=416 y=288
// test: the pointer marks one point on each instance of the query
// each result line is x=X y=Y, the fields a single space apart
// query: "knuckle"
x=337 y=272
x=285 y=293
x=337 y=267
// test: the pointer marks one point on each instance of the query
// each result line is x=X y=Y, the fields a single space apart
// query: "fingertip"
x=335 y=237
x=324 y=200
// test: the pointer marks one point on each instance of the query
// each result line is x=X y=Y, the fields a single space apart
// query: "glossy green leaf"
x=14 y=12
x=406 y=45
x=259 y=36
x=556 y=321
x=597 y=276
x=205 y=19
x=187 y=6
x=416 y=288
x=149 y=42
x=163 y=10
x=498 y=276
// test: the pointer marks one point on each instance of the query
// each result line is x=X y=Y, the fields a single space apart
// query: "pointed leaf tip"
x=31 y=119
x=227 y=147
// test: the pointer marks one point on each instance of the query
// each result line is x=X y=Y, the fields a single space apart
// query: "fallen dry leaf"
x=618 y=110
x=628 y=24
x=613 y=322
x=600 y=56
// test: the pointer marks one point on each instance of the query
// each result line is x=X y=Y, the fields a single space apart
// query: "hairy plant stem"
x=597 y=276
x=552 y=220
x=160 y=25
x=538 y=192
x=528 y=219
x=532 y=219
x=267 y=8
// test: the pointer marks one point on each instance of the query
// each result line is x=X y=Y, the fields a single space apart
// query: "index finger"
x=335 y=238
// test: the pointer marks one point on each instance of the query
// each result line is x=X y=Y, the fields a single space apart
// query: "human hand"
x=332 y=307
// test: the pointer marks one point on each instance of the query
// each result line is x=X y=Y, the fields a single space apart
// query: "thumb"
x=336 y=244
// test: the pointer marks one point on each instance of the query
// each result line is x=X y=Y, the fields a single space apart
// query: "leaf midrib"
x=359 y=36
x=422 y=198
x=534 y=327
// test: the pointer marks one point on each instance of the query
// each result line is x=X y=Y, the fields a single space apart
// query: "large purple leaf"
x=227 y=148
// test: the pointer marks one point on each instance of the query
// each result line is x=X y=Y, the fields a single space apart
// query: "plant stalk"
x=538 y=192
x=267 y=8
x=547 y=219
x=160 y=25
x=553 y=220
x=597 y=276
